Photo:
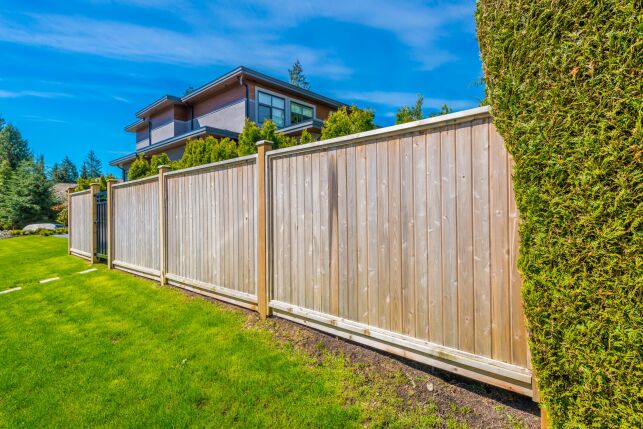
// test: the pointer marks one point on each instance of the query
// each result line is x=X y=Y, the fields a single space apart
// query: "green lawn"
x=109 y=349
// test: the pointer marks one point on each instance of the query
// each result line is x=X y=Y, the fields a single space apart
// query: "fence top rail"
x=214 y=165
x=136 y=181
x=409 y=127
x=79 y=193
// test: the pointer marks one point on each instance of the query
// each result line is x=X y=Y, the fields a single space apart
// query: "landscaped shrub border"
x=564 y=81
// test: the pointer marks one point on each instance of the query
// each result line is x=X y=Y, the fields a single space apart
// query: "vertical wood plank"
x=316 y=231
x=434 y=195
x=342 y=233
x=301 y=245
x=481 y=269
x=409 y=295
x=308 y=218
x=464 y=221
x=383 y=237
x=449 y=239
x=324 y=231
x=333 y=233
x=395 y=237
x=499 y=248
x=295 y=252
x=352 y=241
x=420 y=173
x=372 y=188
x=361 y=197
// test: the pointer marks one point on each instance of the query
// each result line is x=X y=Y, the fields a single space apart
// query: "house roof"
x=169 y=100
x=164 y=144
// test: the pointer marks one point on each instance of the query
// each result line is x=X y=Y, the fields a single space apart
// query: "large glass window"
x=271 y=107
x=300 y=113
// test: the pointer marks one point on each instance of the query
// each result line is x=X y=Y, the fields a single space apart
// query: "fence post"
x=94 y=189
x=69 y=192
x=262 y=282
x=163 y=223
x=110 y=223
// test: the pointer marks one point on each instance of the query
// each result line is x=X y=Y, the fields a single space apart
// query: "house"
x=219 y=108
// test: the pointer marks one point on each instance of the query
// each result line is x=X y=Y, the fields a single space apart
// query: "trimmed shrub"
x=139 y=168
x=344 y=121
x=224 y=149
x=564 y=80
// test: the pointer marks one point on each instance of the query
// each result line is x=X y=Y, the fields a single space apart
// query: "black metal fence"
x=101 y=224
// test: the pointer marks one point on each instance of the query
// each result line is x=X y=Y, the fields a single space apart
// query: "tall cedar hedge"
x=564 y=82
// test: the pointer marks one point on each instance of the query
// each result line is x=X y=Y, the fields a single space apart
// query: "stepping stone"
x=88 y=271
x=50 y=280
x=10 y=290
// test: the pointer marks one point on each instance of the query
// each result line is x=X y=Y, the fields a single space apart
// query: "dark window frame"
x=271 y=108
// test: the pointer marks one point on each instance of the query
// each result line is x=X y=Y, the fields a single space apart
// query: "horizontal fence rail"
x=401 y=238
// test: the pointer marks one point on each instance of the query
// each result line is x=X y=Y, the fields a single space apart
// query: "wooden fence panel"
x=80 y=227
x=414 y=235
x=211 y=229
x=404 y=239
x=136 y=231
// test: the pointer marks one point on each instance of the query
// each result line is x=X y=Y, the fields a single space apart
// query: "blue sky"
x=73 y=73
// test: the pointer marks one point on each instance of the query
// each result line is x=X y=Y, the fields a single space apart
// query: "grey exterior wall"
x=230 y=117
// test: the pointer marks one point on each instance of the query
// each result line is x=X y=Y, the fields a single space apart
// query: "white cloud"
x=29 y=93
x=415 y=23
x=398 y=99
x=140 y=43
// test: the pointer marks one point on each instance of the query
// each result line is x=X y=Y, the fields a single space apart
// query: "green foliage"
x=224 y=149
x=565 y=84
x=82 y=184
x=65 y=172
x=248 y=138
x=13 y=148
x=306 y=137
x=63 y=216
x=159 y=160
x=16 y=232
x=346 y=121
x=25 y=194
x=443 y=111
x=92 y=167
x=197 y=152
x=410 y=114
x=139 y=168
x=251 y=134
x=297 y=77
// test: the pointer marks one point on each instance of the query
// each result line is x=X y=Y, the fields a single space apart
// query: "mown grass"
x=107 y=349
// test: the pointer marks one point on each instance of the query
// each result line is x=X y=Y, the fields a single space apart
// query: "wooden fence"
x=80 y=224
x=135 y=225
x=402 y=238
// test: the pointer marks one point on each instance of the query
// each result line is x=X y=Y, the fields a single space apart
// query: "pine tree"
x=92 y=166
x=65 y=172
x=13 y=148
x=297 y=76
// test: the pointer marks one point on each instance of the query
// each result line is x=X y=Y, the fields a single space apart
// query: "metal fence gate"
x=101 y=224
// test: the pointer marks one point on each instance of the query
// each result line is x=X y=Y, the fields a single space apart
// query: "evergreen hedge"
x=564 y=80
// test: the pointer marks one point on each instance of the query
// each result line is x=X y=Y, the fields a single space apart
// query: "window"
x=271 y=107
x=300 y=113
